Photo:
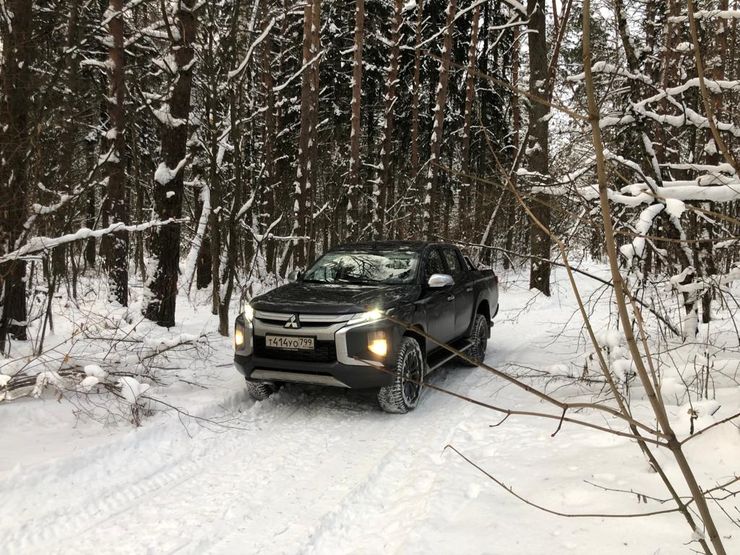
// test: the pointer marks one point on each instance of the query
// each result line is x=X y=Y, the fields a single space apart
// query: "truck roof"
x=416 y=246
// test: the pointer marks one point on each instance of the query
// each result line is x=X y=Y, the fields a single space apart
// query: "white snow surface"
x=315 y=470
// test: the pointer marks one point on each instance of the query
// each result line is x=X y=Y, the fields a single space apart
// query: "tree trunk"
x=18 y=49
x=538 y=147
x=416 y=95
x=466 y=186
x=309 y=94
x=354 y=212
x=432 y=196
x=116 y=148
x=168 y=186
x=516 y=117
x=271 y=177
x=310 y=243
x=386 y=185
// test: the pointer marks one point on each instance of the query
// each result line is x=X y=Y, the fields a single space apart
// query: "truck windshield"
x=364 y=268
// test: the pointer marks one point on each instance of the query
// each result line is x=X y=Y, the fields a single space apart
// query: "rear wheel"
x=259 y=391
x=478 y=342
x=403 y=394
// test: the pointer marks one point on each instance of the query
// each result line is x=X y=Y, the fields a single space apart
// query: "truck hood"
x=318 y=298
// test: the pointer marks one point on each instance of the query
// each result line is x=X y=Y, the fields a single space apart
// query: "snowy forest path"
x=240 y=489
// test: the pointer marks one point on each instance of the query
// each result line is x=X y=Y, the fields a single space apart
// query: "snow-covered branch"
x=40 y=244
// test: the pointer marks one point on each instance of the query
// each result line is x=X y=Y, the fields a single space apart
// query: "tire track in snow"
x=214 y=492
x=241 y=497
x=383 y=510
x=115 y=477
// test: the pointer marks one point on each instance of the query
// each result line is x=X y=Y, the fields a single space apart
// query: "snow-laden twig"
x=242 y=66
x=297 y=74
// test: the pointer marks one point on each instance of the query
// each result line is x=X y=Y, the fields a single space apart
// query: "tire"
x=479 y=340
x=403 y=395
x=260 y=391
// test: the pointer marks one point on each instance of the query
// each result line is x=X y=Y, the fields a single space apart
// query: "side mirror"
x=438 y=281
x=294 y=276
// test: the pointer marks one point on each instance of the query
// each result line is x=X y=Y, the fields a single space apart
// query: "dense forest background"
x=177 y=145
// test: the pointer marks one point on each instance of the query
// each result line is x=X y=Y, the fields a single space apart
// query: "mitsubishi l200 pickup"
x=368 y=315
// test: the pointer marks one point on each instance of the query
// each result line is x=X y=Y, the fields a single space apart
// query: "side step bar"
x=443 y=356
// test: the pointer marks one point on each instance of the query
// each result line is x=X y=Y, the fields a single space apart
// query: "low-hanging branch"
x=41 y=244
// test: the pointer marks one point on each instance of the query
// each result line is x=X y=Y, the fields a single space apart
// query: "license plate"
x=290 y=342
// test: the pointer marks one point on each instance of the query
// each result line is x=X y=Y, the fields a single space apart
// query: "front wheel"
x=478 y=342
x=260 y=391
x=403 y=394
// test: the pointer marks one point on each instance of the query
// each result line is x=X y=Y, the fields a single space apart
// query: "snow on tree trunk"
x=416 y=94
x=168 y=179
x=302 y=205
x=271 y=177
x=354 y=190
x=18 y=50
x=116 y=151
x=466 y=186
x=385 y=193
x=538 y=147
x=432 y=193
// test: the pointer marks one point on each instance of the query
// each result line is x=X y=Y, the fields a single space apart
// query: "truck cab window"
x=433 y=264
x=453 y=262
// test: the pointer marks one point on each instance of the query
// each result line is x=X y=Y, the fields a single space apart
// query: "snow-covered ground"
x=325 y=471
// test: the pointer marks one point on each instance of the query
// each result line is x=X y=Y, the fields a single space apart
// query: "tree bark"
x=432 y=193
x=386 y=186
x=18 y=48
x=538 y=147
x=466 y=185
x=269 y=149
x=168 y=186
x=416 y=94
x=306 y=141
x=354 y=190
x=116 y=147
x=516 y=119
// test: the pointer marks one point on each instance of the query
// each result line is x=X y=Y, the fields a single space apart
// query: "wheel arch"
x=482 y=306
x=420 y=339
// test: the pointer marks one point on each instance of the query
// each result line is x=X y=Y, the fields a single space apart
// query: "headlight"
x=369 y=316
x=248 y=311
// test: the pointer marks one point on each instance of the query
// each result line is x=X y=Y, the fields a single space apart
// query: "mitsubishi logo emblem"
x=293 y=322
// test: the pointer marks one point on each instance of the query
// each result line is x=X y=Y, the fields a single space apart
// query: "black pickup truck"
x=362 y=316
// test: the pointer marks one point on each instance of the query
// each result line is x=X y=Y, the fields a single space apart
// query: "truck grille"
x=324 y=351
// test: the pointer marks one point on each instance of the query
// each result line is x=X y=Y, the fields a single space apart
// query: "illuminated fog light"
x=378 y=347
x=238 y=339
x=377 y=343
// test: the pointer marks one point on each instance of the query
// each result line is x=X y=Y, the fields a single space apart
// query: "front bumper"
x=336 y=374
x=345 y=361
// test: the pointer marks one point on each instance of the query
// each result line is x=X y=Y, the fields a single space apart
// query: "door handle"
x=468 y=289
x=450 y=297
